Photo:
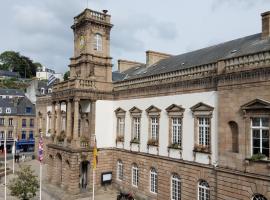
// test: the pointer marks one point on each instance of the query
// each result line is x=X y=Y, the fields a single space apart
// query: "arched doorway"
x=84 y=170
x=58 y=163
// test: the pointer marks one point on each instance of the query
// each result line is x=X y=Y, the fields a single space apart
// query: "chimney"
x=265 y=25
x=124 y=65
x=153 y=57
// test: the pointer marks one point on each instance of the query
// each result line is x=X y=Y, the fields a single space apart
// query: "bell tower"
x=91 y=59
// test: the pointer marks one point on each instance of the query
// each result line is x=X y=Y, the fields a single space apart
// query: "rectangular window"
x=31 y=122
x=2 y=134
x=121 y=126
x=10 y=121
x=24 y=123
x=136 y=128
x=177 y=130
x=120 y=173
x=260 y=135
x=154 y=128
x=204 y=131
x=153 y=181
x=175 y=188
x=31 y=135
x=2 y=121
x=10 y=135
x=23 y=135
x=28 y=109
x=8 y=110
x=135 y=176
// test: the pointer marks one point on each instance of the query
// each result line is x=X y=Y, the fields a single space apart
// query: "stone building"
x=17 y=118
x=191 y=126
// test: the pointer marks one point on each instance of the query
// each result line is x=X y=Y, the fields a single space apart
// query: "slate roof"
x=13 y=92
x=18 y=106
x=9 y=74
x=239 y=47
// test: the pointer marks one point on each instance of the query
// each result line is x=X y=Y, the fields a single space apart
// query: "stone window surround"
x=202 y=110
x=175 y=111
x=255 y=108
x=204 y=187
x=153 y=112
x=120 y=174
x=135 y=175
x=175 y=181
x=135 y=113
x=153 y=179
x=120 y=113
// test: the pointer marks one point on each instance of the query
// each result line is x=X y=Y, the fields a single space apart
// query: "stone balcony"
x=82 y=84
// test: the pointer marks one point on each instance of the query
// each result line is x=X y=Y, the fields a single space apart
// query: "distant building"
x=17 y=118
x=44 y=73
x=10 y=93
x=7 y=74
x=37 y=88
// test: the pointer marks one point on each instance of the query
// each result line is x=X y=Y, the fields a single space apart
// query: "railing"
x=74 y=84
x=93 y=15
x=84 y=144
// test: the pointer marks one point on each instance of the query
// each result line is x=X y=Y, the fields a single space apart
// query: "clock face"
x=82 y=42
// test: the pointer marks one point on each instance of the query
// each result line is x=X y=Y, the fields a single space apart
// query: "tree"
x=25 y=185
x=13 y=61
x=66 y=75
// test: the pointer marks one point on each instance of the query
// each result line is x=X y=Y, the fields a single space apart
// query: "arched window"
x=153 y=180
x=235 y=136
x=120 y=173
x=135 y=175
x=203 y=190
x=258 y=197
x=175 y=187
x=98 y=42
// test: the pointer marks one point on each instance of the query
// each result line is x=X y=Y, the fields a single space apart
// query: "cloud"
x=232 y=3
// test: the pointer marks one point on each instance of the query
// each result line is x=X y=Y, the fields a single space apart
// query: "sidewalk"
x=51 y=192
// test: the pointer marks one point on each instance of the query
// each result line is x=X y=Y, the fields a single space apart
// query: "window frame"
x=153 y=114
x=153 y=181
x=98 y=42
x=120 y=170
x=135 y=114
x=24 y=123
x=135 y=175
x=176 y=182
x=259 y=197
x=202 y=111
x=261 y=129
x=2 y=120
x=8 y=110
x=203 y=189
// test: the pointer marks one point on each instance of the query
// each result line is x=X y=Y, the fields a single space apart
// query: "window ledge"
x=258 y=161
x=202 y=151
x=134 y=142
x=175 y=147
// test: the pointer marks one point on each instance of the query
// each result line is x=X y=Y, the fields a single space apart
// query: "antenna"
x=86 y=3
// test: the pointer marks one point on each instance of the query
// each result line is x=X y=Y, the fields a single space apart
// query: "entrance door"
x=83 y=175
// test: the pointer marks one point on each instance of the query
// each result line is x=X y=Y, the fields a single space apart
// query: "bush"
x=25 y=185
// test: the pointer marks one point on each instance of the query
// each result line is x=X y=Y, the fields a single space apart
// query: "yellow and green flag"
x=95 y=156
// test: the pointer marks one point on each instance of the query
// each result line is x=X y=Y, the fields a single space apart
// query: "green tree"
x=66 y=75
x=13 y=61
x=25 y=185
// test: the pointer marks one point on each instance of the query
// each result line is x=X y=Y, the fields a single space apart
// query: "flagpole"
x=5 y=149
x=40 y=170
x=93 y=198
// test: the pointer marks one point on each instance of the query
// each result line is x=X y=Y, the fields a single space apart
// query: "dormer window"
x=42 y=90
x=98 y=42
x=8 y=110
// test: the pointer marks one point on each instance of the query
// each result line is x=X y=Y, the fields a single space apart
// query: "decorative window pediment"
x=120 y=112
x=202 y=109
x=256 y=104
x=153 y=110
x=175 y=110
x=135 y=111
x=49 y=113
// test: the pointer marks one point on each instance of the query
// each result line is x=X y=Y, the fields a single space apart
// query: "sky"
x=40 y=29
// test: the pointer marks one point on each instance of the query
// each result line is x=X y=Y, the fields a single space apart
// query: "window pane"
x=256 y=150
x=265 y=151
x=256 y=121
x=265 y=133
x=256 y=143
x=256 y=133
x=265 y=121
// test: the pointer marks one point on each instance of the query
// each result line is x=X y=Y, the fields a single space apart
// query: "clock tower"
x=91 y=59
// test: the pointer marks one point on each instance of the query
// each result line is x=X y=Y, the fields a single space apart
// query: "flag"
x=40 y=149
x=51 y=79
x=95 y=156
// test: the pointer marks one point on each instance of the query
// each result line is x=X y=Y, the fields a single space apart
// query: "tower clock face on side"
x=82 y=42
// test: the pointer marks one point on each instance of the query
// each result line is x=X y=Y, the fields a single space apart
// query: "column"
x=68 y=119
x=53 y=119
x=76 y=119
x=58 y=120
